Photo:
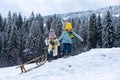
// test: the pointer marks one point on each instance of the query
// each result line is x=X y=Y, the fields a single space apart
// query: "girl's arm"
x=57 y=42
x=47 y=41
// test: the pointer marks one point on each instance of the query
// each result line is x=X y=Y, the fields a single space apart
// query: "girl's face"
x=52 y=38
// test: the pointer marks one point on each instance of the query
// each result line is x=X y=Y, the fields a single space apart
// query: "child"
x=53 y=45
x=67 y=37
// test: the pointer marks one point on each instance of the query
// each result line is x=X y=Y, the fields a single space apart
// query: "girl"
x=53 y=44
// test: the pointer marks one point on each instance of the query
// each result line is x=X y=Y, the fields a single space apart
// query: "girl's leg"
x=51 y=55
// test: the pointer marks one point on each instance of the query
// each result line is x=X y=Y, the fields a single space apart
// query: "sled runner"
x=38 y=60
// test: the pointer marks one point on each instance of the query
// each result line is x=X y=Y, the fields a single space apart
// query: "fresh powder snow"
x=96 y=64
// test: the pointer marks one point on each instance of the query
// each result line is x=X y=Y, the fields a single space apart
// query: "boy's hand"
x=81 y=39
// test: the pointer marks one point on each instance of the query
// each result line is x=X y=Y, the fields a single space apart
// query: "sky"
x=48 y=7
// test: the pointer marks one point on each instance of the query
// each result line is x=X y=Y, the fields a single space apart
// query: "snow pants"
x=67 y=49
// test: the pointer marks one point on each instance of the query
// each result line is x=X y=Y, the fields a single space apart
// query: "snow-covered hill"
x=114 y=10
x=96 y=64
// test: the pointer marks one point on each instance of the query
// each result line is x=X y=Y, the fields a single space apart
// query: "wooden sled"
x=38 y=60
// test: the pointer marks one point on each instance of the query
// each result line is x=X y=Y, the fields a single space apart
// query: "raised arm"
x=78 y=36
x=47 y=41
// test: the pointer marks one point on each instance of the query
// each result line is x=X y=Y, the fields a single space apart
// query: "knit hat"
x=68 y=25
x=52 y=34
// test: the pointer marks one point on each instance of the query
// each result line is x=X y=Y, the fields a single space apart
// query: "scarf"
x=52 y=42
x=71 y=34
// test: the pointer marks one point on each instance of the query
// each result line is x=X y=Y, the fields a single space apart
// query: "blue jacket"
x=66 y=38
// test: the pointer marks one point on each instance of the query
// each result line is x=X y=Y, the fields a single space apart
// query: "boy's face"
x=70 y=30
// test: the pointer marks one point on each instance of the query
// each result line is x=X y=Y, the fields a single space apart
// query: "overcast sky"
x=47 y=7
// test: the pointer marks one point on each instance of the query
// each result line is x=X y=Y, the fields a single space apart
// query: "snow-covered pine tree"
x=48 y=22
x=118 y=28
x=41 y=47
x=57 y=25
x=108 y=32
x=84 y=31
x=13 y=43
x=1 y=23
x=23 y=35
x=92 y=34
x=99 y=31
x=8 y=24
x=35 y=40
x=1 y=28
x=19 y=21
x=117 y=33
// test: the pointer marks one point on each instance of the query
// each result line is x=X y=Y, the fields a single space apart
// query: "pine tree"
x=118 y=29
x=8 y=25
x=19 y=21
x=99 y=32
x=35 y=41
x=108 y=32
x=57 y=25
x=84 y=31
x=92 y=32
x=12 y=47
x=1 y=23
x=13 y=43
x=41 y=47
x=48 y=23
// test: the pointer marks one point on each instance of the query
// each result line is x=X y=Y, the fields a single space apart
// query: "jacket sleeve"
x=46 y=41
x=61 y=37
x=78 y=36
x=58 y=43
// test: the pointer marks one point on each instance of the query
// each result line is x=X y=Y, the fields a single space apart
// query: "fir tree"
x=108 y=31
x=48 y=22
x=84 y=31
x=92 y=32
x=1 y=23
x=57 y=25
x=19 y=21
x=99 y=32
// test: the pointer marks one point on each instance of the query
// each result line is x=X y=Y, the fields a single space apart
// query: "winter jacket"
x=66 y=37
x=55 y=51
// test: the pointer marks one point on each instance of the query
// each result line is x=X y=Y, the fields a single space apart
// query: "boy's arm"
x=61 y=37
x=78 y=36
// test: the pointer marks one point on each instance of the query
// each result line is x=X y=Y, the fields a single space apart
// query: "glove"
x=81 y=39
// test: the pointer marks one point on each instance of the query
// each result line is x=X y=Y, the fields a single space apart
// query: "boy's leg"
x=69 y=49
x=59 y=52
x=64 y=49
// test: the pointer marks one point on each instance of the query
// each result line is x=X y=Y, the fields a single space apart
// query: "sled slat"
x=36 y=60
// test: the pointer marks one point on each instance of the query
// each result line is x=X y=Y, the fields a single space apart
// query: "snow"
x=96 y=64
x=116 y=15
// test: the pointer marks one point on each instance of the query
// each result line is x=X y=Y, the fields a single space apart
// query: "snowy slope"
x=114 y=10
x=96 y=64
